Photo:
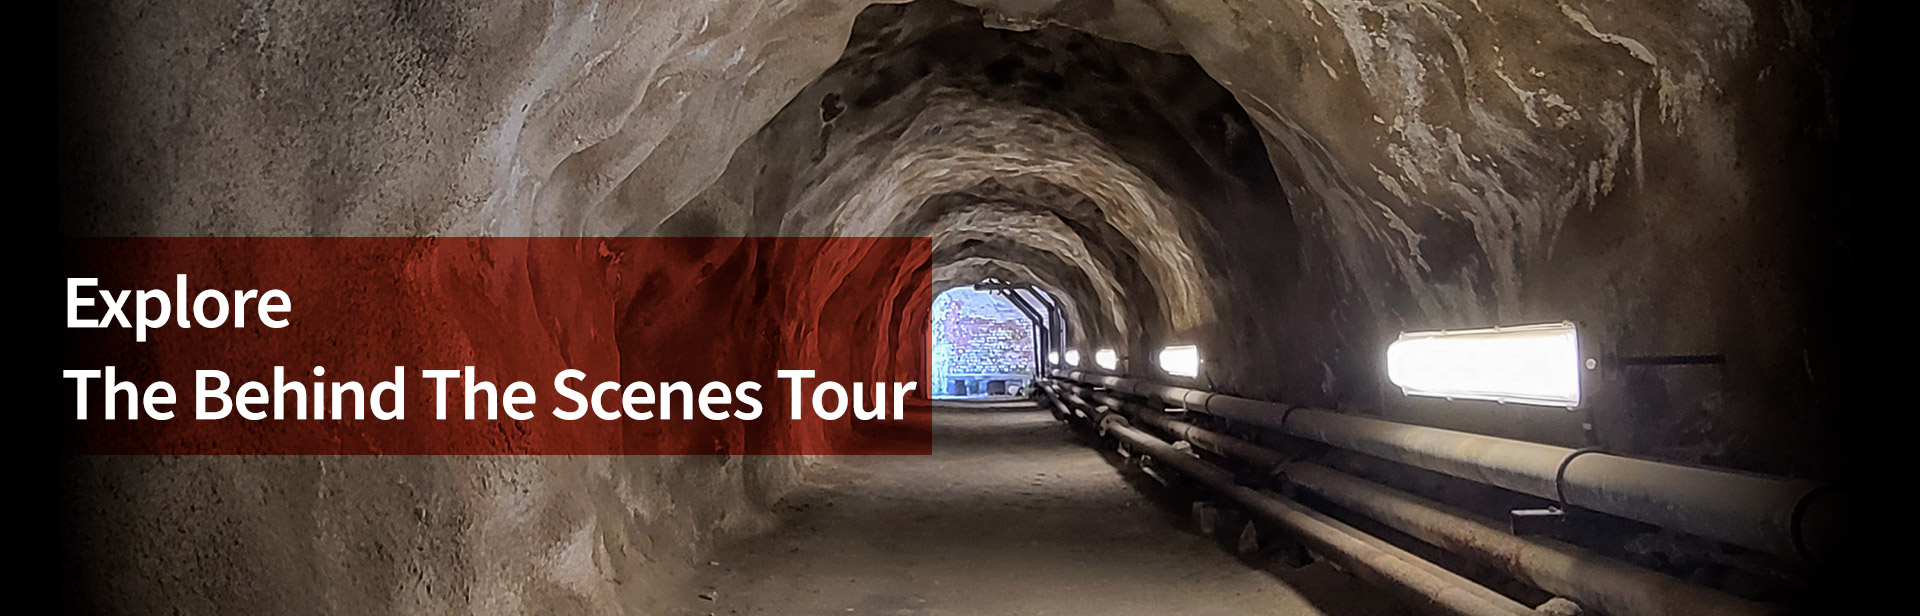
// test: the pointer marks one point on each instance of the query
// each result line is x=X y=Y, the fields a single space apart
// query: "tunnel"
x=1177 y=248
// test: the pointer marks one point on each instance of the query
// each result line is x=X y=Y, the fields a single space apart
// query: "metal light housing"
x=1180 y=360
x=1526 y=364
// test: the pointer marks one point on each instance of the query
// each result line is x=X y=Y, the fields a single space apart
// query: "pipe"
x=1424 y=584
x=1597 y=582
x=1263 y=458
x=1753 y=511
x=1786 y=517
x=1089 y=409
x=1064 y=410
x=1071 y=404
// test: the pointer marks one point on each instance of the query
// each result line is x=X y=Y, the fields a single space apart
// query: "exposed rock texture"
x=1110 y=170
x=1285 y=182
x=1435 y=165
x=402 y=535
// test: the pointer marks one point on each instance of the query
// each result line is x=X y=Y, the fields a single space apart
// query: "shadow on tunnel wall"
x=1287 y=187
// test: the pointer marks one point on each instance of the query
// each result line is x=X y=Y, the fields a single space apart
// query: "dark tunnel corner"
x=1858 y=254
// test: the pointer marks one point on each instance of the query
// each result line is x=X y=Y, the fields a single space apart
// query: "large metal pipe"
x=1263 y=458
x=1423 y=584
x=1602 y=584
x=1076 y=404
x=1785 y=517
x=1062 y=409
x=1596 y=582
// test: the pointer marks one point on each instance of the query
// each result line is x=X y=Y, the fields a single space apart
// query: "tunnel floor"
x=1012 y=514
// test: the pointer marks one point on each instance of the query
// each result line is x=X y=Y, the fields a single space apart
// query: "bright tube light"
x=1183 y=360
x=1073 y=357
x=1528 y=364
x=1106 y=358
x=1053 y=358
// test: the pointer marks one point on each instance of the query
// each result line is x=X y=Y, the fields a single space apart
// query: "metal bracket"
x=1545 y=521
x=1617 y=362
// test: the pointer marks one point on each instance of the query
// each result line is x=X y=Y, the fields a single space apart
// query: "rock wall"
x=1643 y=169
x=403 y=535
x=410 y=118
x=1286 y=183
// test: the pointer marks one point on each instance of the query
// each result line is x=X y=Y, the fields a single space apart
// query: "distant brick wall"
x=976 y=332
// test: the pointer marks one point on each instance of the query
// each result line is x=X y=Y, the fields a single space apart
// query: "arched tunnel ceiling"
x=991 y=222
x=1285 y=182
x=1259 y=178
x=967 y=271
x=1406 y=131
x=1107 y=323
x=1431 y=149
x=1083 y=153
x=957 y=142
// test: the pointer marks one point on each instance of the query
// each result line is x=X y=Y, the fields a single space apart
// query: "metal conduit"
x=1074 y=404
x=1424 y=584
x=1597 y=582
x=1795 y=519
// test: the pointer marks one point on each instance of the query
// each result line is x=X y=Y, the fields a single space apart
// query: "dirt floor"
x=1013 y=514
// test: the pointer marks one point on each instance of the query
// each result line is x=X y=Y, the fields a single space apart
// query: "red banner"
x=402 y=346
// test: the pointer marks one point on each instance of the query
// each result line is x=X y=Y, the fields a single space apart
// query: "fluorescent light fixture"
x=1527 y=364
x=1073 y=357
x=1181 y=360
x=1106 y=358
x=1053 y=358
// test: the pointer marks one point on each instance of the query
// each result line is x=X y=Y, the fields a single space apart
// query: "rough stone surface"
x=414 y=534
x=1286 y=183
x=1435 y=165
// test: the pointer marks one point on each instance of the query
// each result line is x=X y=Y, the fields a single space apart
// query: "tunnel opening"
x=986 y=343
x=1145 y=190
x=1276 y=190
x=1121 y=178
